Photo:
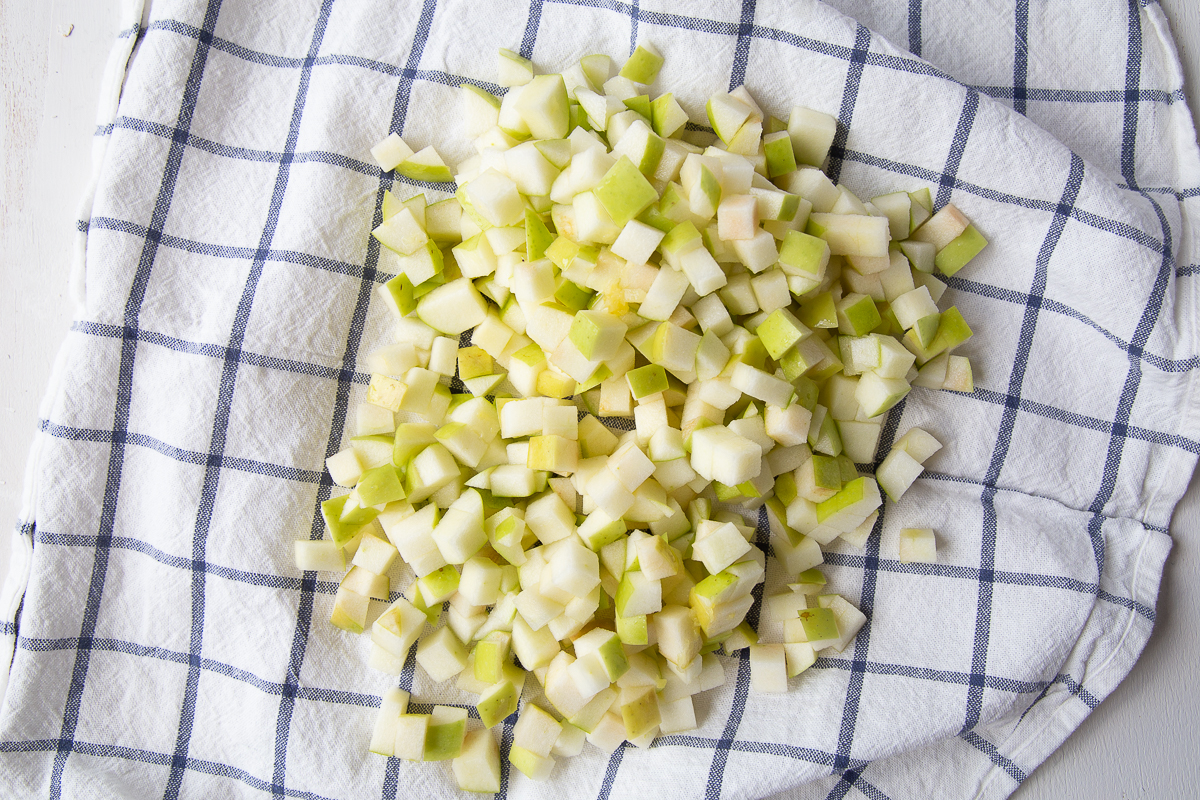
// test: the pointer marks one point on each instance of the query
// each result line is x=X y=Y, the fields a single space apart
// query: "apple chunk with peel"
x=897 y=472
x=851 y=234
x=597 y=335
x=444 y=736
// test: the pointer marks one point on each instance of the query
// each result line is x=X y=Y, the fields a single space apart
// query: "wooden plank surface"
x=1140 y=743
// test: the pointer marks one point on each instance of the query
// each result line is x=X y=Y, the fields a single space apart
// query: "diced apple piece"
x=918 y=545
x=477 y=767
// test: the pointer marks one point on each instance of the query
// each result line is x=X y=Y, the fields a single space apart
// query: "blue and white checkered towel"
x=162 y=643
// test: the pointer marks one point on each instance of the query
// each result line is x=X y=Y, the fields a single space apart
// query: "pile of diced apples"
x=754 y=322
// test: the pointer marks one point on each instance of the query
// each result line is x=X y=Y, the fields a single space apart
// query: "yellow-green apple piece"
x=398 y=627
x=918 y=545
x=921 y=210
x=624 y=191
x=726 y=114
x=854 y=502
x=495 y=198
x=877 y=394
x=780 y=331
x=748 y=139
x=952 y=331
x=803 y=254
x=380 y=485
x=768 y=668
x=537 y=236
x=597 y=335
x=958 y=375
x=342 y=528
x=640 y=104
x=530 y=764
x=851 y=234
x=640 y=714
x=444 y=737
x=897 y=472
x=401 y=232
x=497 y=703
x=922 y=255
x=857 y=315
x=411 y=730
x=473 y=361
x=425 y=165
x=643 y=65
x=646 y=381
x=778 y=151
x=667 y=116
x=397 y=293
x=643 y=146
x=422 y=265
x=598 y=68
x=955 y=255
x=441 y=654
x=897 y=207
x=350 y=610
x=437 y=586
x=383 y=737
x=820 y=626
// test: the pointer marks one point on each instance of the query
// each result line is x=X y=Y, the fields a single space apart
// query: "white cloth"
x=165 y=645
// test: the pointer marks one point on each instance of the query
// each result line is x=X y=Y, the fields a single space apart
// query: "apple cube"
x=513 y=69
x=445 y=734
x=737 y=217
x=596 y=334
x=638 y=594
x=398 y=628
x=530 y=764
x=943 y=227
x=918 y=443
x=812 y=135
x=918 y=545
x=497 y=703
x=536 y=731
x=413 y=538
x=535 y=647
x=477 y=767
x=720 y=547
x=441 y=655
x=624 y=192
x=897 y=472
x=768 y=668
x=383 y=737
x=411 y=730
x=876 y=394
x=913 y=306
x=637 y=242
x=390 y=152
x=761 y=385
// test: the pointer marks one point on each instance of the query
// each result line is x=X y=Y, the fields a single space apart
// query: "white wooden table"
x=1140 y=743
